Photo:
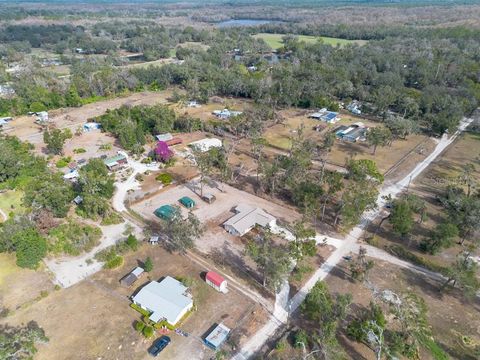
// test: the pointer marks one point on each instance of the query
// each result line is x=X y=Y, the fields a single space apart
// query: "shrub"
x=300 y=339
x=105 y=147
x=164 y=178
x=148 y=265
x=79 y=151
x=74 y=238
x=132 y=242
x=63 y=162
x=139 y=326
x=139 y=177
x=280 y=345
x=112 y=218
x=140 y=310
x=115 y=262
x=148 y=331
x=146 y=160
x=186 y=281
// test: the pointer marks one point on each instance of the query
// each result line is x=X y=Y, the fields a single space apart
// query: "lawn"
x=11 y=201
x=275 y=40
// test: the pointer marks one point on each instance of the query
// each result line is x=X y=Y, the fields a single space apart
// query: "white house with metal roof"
x=246 y=218
x=165 y=300
x=206 y=144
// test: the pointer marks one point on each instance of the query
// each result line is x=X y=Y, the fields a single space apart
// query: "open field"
x=10 y=202
x=446 y=170
x=19 y=288
x=204 y=111
x=450 y=316
x=275 y=40
x=25 y=128
x=98 y=309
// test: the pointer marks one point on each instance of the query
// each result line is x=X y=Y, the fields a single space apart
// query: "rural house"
x=165 y=300
x=330 y=117
x=116 y=162
x=246 y=218
x=226 y=114
x=353 y=133
x=206 y=144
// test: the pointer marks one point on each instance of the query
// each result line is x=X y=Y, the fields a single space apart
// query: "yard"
x=93 y=319
x=10 y=202
x=403 y=154
x=20 y=288
x=275 y=40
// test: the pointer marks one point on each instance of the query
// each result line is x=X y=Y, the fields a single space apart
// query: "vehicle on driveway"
x=158 y=345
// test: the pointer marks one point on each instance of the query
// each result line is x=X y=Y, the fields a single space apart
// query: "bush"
x=74 y=238
x=185 y=280
x=112 y=218
x=140 y=310
x=132 y=242
x=148 y=331
x=115 y=262
x=139 y=326
x=105 y=147
x=63 y=162
x=147 y=160
x=300 y=339
x=139 y=177
x=164 y=178
x=280 y=345
x=79 y=151
x=148 y=265
x=404 y=254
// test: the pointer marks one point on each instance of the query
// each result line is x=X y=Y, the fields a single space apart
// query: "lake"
x=241 y=22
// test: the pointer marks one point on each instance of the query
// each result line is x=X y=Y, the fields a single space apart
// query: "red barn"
x=216 y=281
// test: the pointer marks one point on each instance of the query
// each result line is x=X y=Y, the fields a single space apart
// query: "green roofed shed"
x=187 y=202
x=165 y=212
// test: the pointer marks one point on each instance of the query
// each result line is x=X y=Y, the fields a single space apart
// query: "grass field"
x=7 y=266
x=11 y=201
x=275 y=40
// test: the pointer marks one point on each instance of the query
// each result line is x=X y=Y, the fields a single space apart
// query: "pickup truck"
x=158 y=345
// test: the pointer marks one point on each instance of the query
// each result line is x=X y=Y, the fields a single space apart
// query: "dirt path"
x=282 y=311
x=2 y=213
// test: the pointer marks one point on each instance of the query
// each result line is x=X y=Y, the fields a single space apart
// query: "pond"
x=242 y=22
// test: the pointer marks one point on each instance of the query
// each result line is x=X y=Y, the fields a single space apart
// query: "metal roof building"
x=165 y=212
x=246 y=218
x=217 y=337
x=166 y=300
x=206 y=144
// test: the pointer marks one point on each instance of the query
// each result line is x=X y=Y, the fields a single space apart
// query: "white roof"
x=218 y=335
x=206 y=144
x=165 y=299
x=164 y=137
x=71 y=175
x=137 y=271
x=247 y=217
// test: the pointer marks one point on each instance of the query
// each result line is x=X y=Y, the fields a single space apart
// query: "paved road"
x=350 y=244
